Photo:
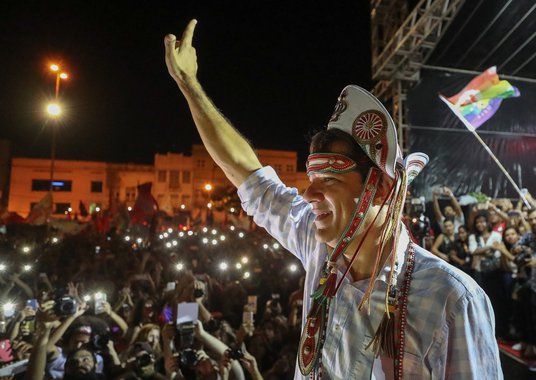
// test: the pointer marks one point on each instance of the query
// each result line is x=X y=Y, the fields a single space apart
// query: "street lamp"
x=59 y=75
x=54 y=111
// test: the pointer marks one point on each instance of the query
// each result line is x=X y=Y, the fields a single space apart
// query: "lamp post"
x=59 y=75
x=54 y=111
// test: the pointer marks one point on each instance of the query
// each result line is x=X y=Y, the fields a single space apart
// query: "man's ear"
x=384 y=189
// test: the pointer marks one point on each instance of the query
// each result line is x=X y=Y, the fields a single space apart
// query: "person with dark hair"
x=486 y=258
x=142 y=361
x=375 y=304
x=453 y=211
x=81 y=364
x=484 y=245
x=445 y=243
x=526 y=249
x=460 y=257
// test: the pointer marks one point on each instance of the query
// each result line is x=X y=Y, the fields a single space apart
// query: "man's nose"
x=313 y=193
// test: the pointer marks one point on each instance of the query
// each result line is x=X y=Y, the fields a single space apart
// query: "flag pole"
x=473 y=131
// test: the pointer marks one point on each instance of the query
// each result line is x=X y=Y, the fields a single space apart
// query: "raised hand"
x=73 y=290
x=45 y=317
x=181 y=58
x=250 y=364
x=225 y=365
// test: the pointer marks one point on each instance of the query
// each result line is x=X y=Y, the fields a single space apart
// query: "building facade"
x=179 y=182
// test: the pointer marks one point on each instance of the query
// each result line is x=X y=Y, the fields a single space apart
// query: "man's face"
x=81 y=362
x=532 y=221
x=333 y=198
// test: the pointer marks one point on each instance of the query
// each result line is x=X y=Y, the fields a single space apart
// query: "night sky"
x=275 y=68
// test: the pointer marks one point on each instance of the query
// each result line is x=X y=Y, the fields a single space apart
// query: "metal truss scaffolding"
x=402 y=41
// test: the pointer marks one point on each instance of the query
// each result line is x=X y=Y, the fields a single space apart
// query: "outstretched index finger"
x=188 y=33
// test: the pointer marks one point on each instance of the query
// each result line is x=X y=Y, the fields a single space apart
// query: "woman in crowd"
x=460 y=257
x=445 y=244
x=508 y=272
x=483 y=245
x=521 y=294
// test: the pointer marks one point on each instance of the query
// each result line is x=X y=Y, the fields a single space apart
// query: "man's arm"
x=227 y=147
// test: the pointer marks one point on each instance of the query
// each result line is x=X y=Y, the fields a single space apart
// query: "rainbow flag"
x=481 y=98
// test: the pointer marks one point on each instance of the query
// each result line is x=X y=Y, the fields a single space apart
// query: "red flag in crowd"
x=145 y=206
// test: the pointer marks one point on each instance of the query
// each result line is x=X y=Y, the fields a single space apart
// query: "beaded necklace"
x=403 y=305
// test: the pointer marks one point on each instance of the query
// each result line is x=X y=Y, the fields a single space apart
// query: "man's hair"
x=323 y=140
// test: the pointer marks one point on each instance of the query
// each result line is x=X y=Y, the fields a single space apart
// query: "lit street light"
x=54 y=111
x=59 y=75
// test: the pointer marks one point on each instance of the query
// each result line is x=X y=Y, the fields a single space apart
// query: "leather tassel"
x=383 y=341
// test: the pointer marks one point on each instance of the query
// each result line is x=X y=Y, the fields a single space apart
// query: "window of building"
x=186 y=176
x=200 y=163
x=61 y=208
x=277 y=168
x=96 y=186
x=185 y=200
x=290 y=168
x=174 y=177
x=130 y=194
x=57 y=185
x=162 y=176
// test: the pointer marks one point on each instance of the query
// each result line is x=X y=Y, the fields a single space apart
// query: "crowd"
x=166 y=302
x=174 y=302
x=494 y=241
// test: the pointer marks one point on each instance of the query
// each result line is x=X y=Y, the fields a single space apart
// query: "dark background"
x=275 y=69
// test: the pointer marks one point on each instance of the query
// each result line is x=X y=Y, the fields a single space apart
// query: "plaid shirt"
x=450 y=323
